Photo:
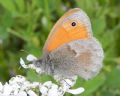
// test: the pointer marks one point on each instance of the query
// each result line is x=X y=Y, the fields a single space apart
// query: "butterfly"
x=71 y=49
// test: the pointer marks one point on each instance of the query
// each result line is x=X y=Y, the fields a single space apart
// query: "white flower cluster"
x=20 y=86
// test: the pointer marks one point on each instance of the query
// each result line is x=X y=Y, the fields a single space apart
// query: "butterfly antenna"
x=67 y=83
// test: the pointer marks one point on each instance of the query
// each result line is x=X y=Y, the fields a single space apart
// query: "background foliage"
x=25 y=24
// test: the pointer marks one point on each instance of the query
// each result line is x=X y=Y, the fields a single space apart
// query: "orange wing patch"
x=63 y=33
x=63 y=36
x=58 y=39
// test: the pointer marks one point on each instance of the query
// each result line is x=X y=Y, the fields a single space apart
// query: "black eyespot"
x=73 y=24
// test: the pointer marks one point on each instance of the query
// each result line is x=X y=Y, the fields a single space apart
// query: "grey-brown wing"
x=81 y=57
x=89 y=57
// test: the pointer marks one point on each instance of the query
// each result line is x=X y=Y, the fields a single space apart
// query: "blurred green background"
x=25 y=25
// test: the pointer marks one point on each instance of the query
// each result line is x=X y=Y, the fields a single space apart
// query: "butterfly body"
x=71 y=49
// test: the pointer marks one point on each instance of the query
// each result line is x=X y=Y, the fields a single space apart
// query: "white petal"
x=31 y=57
x=31 y=93
x=43 y=90
x=38 y=70
x=76 y=91
x=35 y=84
x=16 y=79
x=48 y=84
x=7 y=89
x=1 y=86
x=16 y=92
x=53 y=91
x=22 y=93
x=22 y=63
x=1 y=94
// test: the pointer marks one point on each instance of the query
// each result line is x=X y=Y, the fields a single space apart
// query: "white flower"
x=7 y=89
x=31 y=66
x=22 y=63
x=1 y=86
x=49 y=89
x=31 y=57
x=45 y=87
x=53 y=91
x=31 y=93
x=43 y=90
x=22 y=93
x=76 y=91
x=19 y=86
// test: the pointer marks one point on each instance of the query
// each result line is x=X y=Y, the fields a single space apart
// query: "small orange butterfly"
x=71 y=49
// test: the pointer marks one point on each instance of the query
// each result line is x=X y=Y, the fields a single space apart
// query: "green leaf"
x=93 y=85
x=8 y=4
x=7 y=20
x=3 y=33
x=86 y=5
x=20 y=4
x=113 y=79
x=33 y=76
x=29 y=47
x=107 y=93
x=104 y=39
x=47 y=13
x=17 y=34
x=99 y=25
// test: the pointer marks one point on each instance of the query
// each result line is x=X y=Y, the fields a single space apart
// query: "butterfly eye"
x=73 y=23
